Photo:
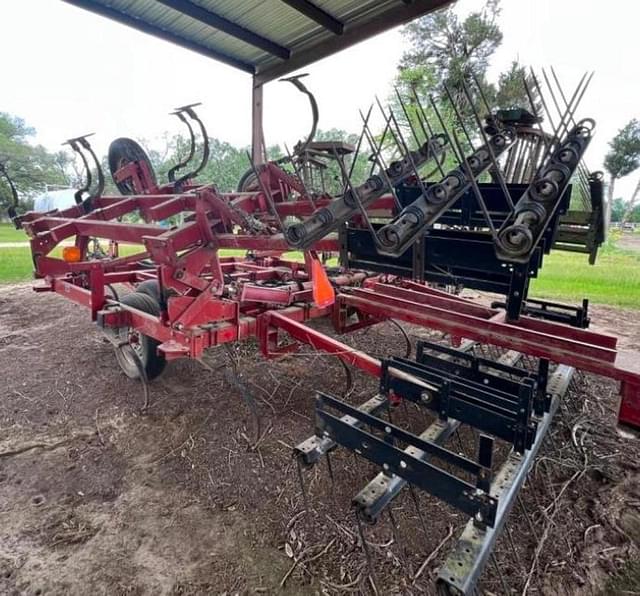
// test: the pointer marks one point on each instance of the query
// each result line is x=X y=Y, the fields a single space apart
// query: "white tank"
x=54 y=199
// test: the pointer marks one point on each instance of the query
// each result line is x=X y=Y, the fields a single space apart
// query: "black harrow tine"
x=505 y=589
x=476 y=189
x=460 y=445
x=416 y=503
x=330 y=469
x=459 y=117
x=266 y=192
x=377 y=155
x=367 y=553
x=300 y=177
x=502 y=176
x=388 y=127
x=356 y=198
x=408 y=119
x=483 y=97
x=428 y=125
x=496 y=166
x=458 y=156
x=427 y=135
x=407 y=152
x=546 y=109
x=559 y=130
x=547 y=142
x=396 y=539
x=528 y=518
x=385 y=130
x=513 y=546
x=305 y=500
x=572 y=107
x=389 y=121
x=564 y=100
x=365 y=125
x=548 y=113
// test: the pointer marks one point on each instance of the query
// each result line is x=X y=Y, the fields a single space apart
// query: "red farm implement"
x=478 y=204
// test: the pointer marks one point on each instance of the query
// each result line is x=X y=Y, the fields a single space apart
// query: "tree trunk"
x=607 y=207
x=632 y=203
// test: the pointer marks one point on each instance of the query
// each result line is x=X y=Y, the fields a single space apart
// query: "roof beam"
x=317 y=14
x=140 y=25
x=216 y=21
x=395 y=14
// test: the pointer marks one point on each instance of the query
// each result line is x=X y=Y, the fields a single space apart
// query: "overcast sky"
x=69 y=72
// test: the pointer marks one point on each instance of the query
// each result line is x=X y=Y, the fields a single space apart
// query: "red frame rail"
x=214 y=299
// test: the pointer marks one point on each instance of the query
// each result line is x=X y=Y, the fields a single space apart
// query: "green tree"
x=618 y=209
x=448 y=52
x=31 y=167
x=624 y=154
x=455 y=49
x=632 y=206
x=511 y=92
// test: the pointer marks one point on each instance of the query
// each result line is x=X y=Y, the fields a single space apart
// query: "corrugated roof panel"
x=273 y=20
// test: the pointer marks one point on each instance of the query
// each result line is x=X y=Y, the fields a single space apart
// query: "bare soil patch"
x=630 y=241
x=96 y=497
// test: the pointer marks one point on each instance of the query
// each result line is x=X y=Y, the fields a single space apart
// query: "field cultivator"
x=474 y=200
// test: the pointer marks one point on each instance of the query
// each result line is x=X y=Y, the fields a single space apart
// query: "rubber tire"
x=123 y=151
x=153 y=362
x=248 y=182
x=151 y=288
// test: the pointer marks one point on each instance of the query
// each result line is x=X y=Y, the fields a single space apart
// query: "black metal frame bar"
x=457 y=492
x=317 y=14
x=207 y=17
x=462 y=569
x=504 y=414
x=378 y=494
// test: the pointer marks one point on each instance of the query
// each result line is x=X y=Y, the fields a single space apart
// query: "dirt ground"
x=99 y=498
x=630 y=241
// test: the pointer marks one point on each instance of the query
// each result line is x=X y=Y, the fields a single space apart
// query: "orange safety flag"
x=323 y=294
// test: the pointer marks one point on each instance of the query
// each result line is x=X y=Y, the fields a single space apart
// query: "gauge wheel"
x=248 y=182
x=130 y=341
x=122 y=152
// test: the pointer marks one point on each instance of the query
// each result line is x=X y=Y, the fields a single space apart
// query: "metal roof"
x=267 y=38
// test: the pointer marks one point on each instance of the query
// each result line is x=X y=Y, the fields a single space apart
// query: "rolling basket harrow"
x=475 y=202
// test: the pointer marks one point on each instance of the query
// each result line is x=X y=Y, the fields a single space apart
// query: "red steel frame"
x=215 y=299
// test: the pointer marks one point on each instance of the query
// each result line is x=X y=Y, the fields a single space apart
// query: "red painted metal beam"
x=508 y=335
x=433 y=299
x=328 y=244
x=278 y=320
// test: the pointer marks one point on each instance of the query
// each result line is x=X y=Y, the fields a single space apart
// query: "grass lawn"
x=9 y=234
x=614 y=280
x=16 y=264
